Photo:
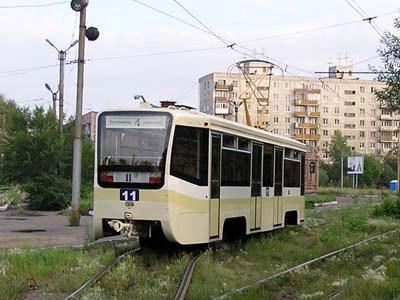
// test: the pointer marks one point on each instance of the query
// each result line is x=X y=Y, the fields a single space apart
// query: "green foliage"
x=389 y=208
x=373 y=170
x=323 y=176
x=338 y=150
x=48 y=192
x=39 y=158
x=389 y=53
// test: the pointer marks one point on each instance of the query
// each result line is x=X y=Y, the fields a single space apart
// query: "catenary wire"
x=33 y=5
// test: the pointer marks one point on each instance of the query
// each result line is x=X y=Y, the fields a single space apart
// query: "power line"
x=364 y=15
x=200 y=22
x=17 y=72
x=153 y=54
x=33 y=5
x=279 y=35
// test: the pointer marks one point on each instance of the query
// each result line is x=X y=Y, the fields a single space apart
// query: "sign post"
x=355 y=166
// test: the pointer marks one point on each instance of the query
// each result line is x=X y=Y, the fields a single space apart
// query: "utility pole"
x=54 y=97
x=77 y=156
x=92 y=34
x=62 y=55
x=341 y=171
x=236 y=106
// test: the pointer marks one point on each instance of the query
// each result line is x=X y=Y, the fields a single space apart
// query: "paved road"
x=48 y=229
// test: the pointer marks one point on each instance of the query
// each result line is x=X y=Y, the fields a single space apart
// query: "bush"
x=48 y=192
x=389 y=208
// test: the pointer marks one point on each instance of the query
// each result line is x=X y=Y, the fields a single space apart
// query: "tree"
x=373 y=170
x=390 y=56
x=338 y=150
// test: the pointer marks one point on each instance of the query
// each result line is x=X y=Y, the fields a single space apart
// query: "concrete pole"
x=341 y=172
x=398 y=161
x=54 y=104
x=77 y=156
x=61 y=56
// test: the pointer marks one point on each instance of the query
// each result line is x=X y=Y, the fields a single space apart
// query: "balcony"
x=388 y=128
x=223 y=87
x=386 y=117
x=306 y=125
x=301 y=102
x=307 y=91
x=388 y=139
x=217 y=98
x=307 y=137
x=300 y=114
x=314 y=114
x=222 y=108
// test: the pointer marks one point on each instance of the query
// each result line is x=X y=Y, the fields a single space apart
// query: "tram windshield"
x=132 y=148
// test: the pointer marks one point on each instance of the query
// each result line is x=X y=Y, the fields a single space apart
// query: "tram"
x=193 y=177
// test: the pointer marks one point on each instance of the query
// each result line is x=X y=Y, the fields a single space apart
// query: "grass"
x=48 y=273
x=148 y=276
x=156 y=275
x=330 y=194
x=371 y=271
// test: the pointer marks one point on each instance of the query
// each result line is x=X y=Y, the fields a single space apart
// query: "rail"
x=100 y=274
x=302 y=265
x=187 y=278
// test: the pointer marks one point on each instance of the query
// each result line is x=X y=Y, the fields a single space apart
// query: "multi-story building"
x=305 y=108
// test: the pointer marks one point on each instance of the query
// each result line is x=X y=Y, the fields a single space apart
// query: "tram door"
x=215 y=186
x=255 y=200
x=278 y=178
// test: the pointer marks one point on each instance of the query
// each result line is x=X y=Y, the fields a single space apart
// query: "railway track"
x=187 y=278
x=302 y=265
x=101 y=273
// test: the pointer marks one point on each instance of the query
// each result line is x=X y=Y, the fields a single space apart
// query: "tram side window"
x=291 y=173
x=235 y=168
x=268 y=179
x=190 y=155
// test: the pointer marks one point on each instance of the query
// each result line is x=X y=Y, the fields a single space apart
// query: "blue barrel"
x=393 y=185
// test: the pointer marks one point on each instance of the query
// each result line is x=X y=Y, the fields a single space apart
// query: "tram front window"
x=132 y=149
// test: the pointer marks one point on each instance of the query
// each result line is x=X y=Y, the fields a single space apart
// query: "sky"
x=154 y=52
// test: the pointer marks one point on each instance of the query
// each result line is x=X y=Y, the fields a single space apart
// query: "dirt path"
x=41 y=229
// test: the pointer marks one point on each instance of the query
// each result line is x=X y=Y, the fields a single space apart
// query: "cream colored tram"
x=193 y=177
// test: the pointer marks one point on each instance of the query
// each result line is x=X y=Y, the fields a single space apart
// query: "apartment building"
x=307 y=109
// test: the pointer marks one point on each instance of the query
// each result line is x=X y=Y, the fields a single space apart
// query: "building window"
x=362 y=111
x=276 y=96
x=372 y=145
x=373 y=134
x=325 y=121
x=276 y=108
x=336 y=110
x=287 y=120
x=362 y=123
x=234 y=83
x=288 y=131
x=276 y=84
x=372 y=123
x=287 y=85
x=288 y=108
x=362 y=100
x=326 y=110
x=276 y=120
x=336 y=121
x=362 y=89
x=362 y=134
x=325 y=132
x=362 y=145
x=349 y=92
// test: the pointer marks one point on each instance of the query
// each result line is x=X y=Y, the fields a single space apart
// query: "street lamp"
x=62 y=55
x=79 y=5
x=54 y=97
x=92 y=34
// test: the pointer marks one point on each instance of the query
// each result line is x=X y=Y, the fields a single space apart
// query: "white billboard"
x=355 y=165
